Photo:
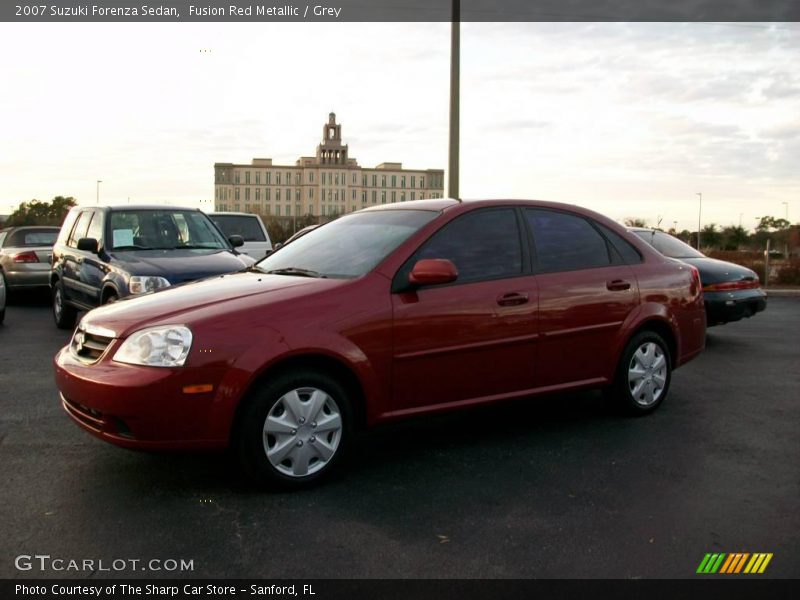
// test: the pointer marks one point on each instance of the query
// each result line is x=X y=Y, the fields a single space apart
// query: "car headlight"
x=140 y=284
x=164 y=346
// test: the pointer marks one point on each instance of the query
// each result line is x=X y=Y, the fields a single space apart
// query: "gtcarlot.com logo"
x=45 y=562
x=734 y=563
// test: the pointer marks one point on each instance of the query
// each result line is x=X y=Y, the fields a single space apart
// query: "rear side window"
x=66 y=227
x=483 y=245
x=30 y=238
x=566 y=242
x=80 y=229
x=247 y=227
x=630 y=255
x=96 y=227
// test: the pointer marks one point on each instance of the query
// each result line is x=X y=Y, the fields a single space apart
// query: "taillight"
x=695 y=279
x=729 y=286
x=26 y=257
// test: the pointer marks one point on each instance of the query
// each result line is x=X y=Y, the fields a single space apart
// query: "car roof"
x=123 y=207
x=18 y=227
x=233 y=214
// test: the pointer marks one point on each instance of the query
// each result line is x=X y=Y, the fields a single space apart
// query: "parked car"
x=106 y=253
x=251 y=229
x=731 y=292
x=25 y=256
x=2 y=300
x=397 y=310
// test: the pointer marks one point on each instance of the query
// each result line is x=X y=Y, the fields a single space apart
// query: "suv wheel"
x=63 y=314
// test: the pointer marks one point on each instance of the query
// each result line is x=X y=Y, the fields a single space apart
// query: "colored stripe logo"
x=734 y=563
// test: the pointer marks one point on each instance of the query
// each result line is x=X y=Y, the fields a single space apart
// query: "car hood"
x=179 y=265
x=180 y=305
x=718 y=271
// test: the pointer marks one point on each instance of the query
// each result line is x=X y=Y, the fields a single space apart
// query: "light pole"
x=455 y=41
x=99 y=181
x=699 y=215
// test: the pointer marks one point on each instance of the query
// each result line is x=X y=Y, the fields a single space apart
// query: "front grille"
x=89 y=346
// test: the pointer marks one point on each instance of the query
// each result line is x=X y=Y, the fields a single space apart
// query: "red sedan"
x=393 y=311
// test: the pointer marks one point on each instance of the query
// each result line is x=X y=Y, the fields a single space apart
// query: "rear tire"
x=63 y=314
x=293 y=429
x=643 y=375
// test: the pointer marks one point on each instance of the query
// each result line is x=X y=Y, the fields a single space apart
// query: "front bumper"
x=726 y=307
x=143 y=407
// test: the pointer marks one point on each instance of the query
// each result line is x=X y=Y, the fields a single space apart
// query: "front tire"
x=294 y=429
x=63 y=314
x=643 y=374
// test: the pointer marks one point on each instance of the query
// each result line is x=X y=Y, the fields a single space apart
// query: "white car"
x=2 y=301
x=256 y=239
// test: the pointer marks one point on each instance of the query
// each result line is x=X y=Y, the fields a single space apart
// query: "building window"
x=413 y=181
x=311 y=193
x=374 y=181
x=258 y=194
x=247 y=194
x=236 y=208
x=383 y=197
x=394 y=197
x=383 y=180
x=288 y=177
x=402 y=196
x=363 y=197
x=278 y=210
x=266 y=194
x=311 y=176
x=277 y=178
x=403 y=181
x=258 y=177
x=354 y=193
x=288 y=195
x=413 y=195
x=374 y=197
x=288 y=210
x=268 y=177
x=277 y=196
x=364 y=181
x=394 y=180
x=422 y=182
x=337 y=179
x=236 y=194
x=247 y=177
x=236 y=177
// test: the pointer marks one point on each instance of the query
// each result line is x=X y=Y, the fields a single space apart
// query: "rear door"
x=586 y=292
x=473 y=339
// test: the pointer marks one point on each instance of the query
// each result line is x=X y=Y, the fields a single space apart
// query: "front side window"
x=566 y=242
x=483 y=245
x=80 y=229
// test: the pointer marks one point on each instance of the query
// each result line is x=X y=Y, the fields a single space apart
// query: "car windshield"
x=348 y=247
x=163 y=229
x=246 y=226
x=668 y=246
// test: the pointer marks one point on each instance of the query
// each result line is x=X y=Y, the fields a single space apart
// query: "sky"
x=631 y=120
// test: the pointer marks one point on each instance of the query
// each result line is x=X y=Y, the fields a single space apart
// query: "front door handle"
x=618 y=285
x=512 y=299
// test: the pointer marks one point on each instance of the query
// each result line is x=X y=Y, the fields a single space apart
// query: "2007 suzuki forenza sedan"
x=392 y=311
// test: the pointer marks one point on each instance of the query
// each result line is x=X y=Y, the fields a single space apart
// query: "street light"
x=99 y=181
x=699 y=213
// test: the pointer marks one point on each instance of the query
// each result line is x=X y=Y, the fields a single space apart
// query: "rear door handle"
x=512 y=299
x=618 y=285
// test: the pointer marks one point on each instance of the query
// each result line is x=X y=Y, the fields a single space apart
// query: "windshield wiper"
x=295 y=271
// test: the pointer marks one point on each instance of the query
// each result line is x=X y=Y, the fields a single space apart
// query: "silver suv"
x=250 y=227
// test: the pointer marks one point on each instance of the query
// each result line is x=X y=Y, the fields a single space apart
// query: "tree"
x=632 y=222
x=710 y=236
x=772 y=224
x=734 y=237
x=42 y=213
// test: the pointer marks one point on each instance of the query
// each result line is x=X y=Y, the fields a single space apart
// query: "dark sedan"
x=106 y=253
x=731 y=292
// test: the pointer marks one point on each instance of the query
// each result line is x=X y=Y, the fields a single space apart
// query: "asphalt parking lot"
x=548 y=488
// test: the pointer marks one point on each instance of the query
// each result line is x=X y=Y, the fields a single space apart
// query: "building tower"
x=331 y=151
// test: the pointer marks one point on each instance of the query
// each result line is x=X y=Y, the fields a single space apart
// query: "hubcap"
x=57 y=303
x=302 y=432
x=647 y=374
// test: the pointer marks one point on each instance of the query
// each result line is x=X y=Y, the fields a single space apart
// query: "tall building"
x=328 y=184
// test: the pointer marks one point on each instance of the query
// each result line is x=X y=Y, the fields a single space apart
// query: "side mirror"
x=88 y=245
x=277 y=246
x=432 y=271
x=236 y=241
